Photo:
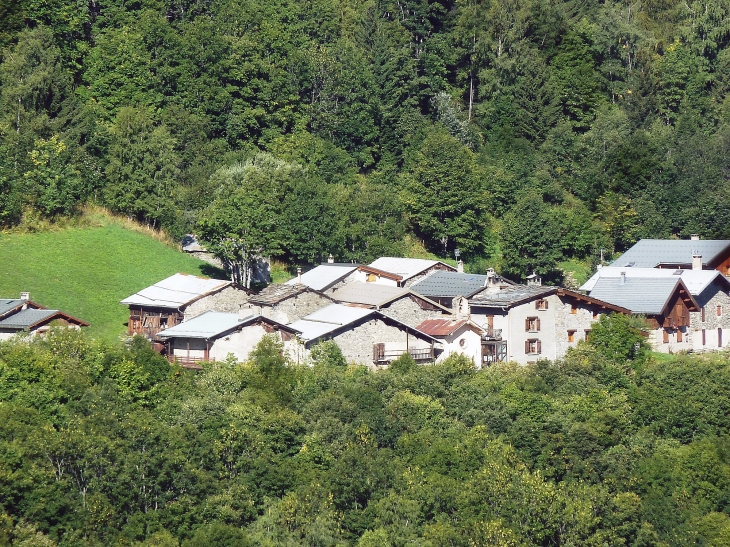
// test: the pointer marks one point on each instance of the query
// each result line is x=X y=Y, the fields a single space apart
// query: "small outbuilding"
x=37 y=322
x=456 y=336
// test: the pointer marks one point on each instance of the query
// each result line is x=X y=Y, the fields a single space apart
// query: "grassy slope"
x=87 y=271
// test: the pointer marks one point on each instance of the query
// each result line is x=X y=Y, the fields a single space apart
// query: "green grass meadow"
x=86 y=271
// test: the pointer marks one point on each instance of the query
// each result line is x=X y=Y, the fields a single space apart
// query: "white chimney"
x=244 y=311
x=696 y=261
x=534 y=280
x=25 y=296
x=694 y=237
x=299 y=275
x=460 y=266
x=330 y=259
x=623 y=278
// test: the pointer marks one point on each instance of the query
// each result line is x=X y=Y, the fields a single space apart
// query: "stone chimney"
x=460 y=266
x=330 y=259
x=694 y=237
x=534 y=280
x=25 y=296
x=299 y=275
x=696 y=261
x=623 y=278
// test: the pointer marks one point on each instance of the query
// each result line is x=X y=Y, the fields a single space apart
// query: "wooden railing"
x=188 y=362
x=418 y=354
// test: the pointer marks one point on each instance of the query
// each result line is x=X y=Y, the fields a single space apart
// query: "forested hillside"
x=525 y=133
x=104 y=445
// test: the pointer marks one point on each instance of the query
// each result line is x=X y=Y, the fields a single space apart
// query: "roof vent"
x=696 y=260
x=694 y=237
x=25 y=296
x=623 y=278
x=330 y=259
x=678 y=272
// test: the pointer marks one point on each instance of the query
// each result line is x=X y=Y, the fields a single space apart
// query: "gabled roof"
x=445 y=327
x=213 y=324
x=650 y=253
x=450 y=284
x=278 y=292
x=406 y=267
x=370 y=294
x=324 y=276
x=334 y=317
x=9 y=305
x=696 y=281
x=647 y=295
x=176 y=291
x=29 y=318
x=520 y=294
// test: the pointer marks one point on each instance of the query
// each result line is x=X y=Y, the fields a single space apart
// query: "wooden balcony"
x=188 y=362
x=492 y=334
x=381 y=356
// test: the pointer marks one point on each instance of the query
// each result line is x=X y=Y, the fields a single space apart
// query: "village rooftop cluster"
x=375 y=313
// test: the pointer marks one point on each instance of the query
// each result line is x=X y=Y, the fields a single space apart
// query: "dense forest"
x=525 y=133
x=112 y=445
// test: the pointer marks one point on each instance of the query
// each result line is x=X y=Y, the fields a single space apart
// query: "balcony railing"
x=383 y=356
x=188 y=362
x=492 y=334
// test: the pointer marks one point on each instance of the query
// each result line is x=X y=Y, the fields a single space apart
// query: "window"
x=532 y=324
x=587 y=334
x=571 y=336
x=719 y=311
x=703 y=314
x=573 y=309
x=679 y=335
x=541 y=304
x=372 y=278
x=533 y=347
x=665 y=334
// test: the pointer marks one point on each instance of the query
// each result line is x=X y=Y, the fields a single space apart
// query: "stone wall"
x=409 y=312
x=294 y=308
x=580 y=322
x=712 y=297
x=346 y=281
x=228 y=300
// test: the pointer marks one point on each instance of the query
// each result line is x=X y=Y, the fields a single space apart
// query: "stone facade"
x=712 y=298
x=294 y=308
x=228 y=300
x=407 y=311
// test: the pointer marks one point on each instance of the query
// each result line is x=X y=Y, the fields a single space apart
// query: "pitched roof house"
x=445 y=287
x=286 y=303
x=177 y=298
x=456 y=336
x=524 y=323
x=23 y=315
x=400 y=303
x=688 y=309
x=326 y=277
x=213 y=336
x=364 y=335
x=399 y=272
x=712 y=254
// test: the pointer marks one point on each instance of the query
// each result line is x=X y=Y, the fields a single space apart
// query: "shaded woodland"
x=524 y=133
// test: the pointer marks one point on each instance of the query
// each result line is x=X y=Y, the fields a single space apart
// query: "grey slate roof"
x=7 y=305
x=273 y=294
x=649 y=253
x=405 y=267
x=212 y=324
x=370 y=294
x=324 y=276
x=647 y=295
x=696 y=281
x=450 y=284
x=510 y=296
x=26 y=318
x=175 y=291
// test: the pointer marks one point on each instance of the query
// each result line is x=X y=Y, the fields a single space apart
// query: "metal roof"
x=649 y=253
x=212 y=324
x=176 y=291
x=510 y=296
x=450 y=284
x=370 y=294
x=324 y=276
x=329 y=319
x=28 y=318
x=441 y=327
x=646 y=295
x=696 y=281
x=405 y=267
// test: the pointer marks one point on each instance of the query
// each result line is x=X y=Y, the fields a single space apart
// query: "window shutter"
x=527 y=346
x=719 y=311
x=539 y=346
x=378 y=351
x=703 y=314
x=527 y=325
x=538 y=323
x=679 y=335
x=666 y=336
x=537 y=304
x=545 y=305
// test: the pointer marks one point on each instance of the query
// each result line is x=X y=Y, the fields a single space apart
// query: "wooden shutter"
x=527 y=325
x=537 y=323
x=539 y=346
x=378 y=352
x=719 y=337
x=703 y=314
x=666 y=336
x=719 y=311
x=527 y=347
x=679 y=335
x=704 y=338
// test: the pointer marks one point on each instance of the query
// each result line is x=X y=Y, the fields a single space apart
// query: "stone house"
x=327 y=277
x=178 y=298
x=364 y=335
x=524 y=323
x=456 y=336
x=399 y=303
x=286 y=303
x=687 y=309
x=399 y=272
x=23 y=315
x=447 y=287
x=673 y=254
x=213 y=336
